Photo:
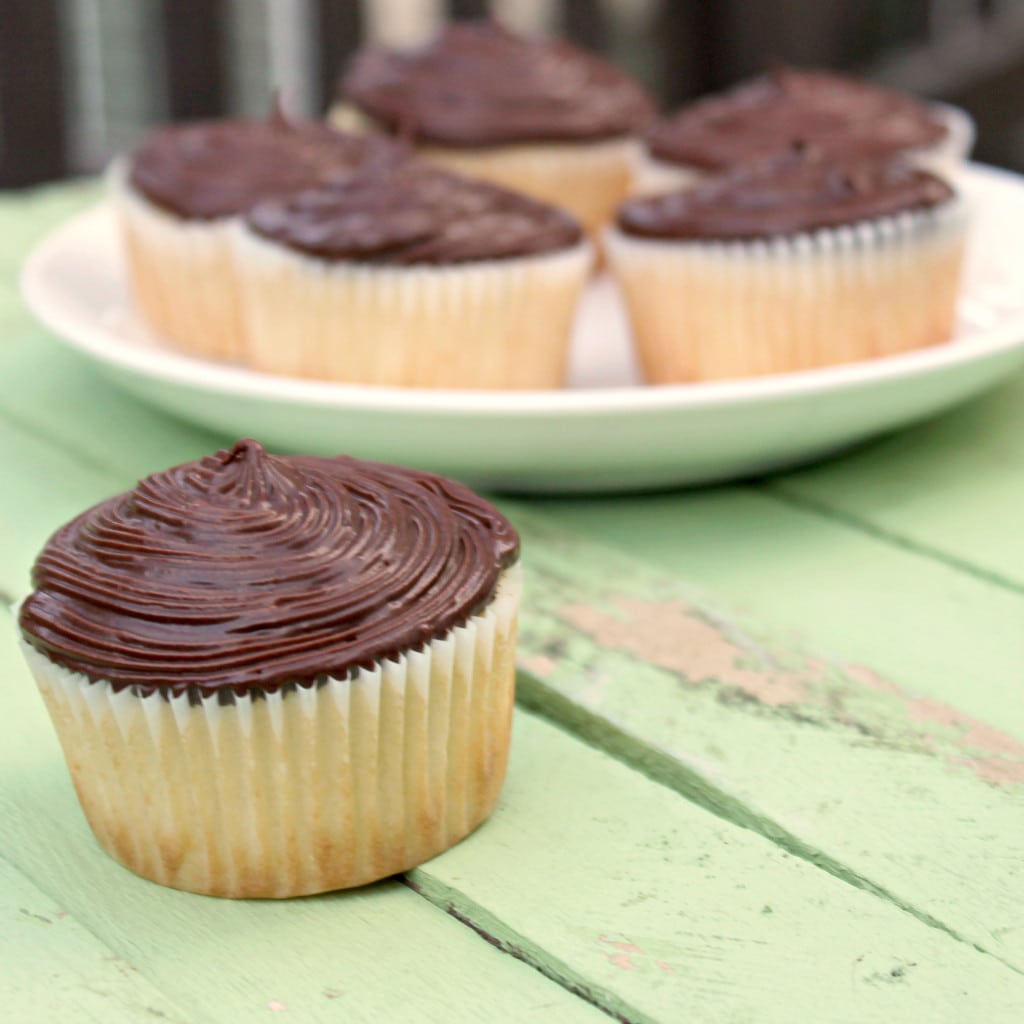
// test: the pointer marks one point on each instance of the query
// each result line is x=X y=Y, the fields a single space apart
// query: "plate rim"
x=167 y=366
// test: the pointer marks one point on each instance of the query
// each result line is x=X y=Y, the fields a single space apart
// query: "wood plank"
x=53 y=390
x=24 y=218
x=339 y=34
x=32 y=144
x=45 y=487
x=837 y=591
x=195 y=80
x=952 y=489
x=666 y=913
x=848 y=768
x=379 y=953
x=81 y=979
x=467 y=9
x=586 y=23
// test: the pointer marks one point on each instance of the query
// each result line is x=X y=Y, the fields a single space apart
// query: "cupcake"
x=801 y=261
x=181 y=191
x=541 y=117
x=415 y=278
x=279 y=676
x=847 y=118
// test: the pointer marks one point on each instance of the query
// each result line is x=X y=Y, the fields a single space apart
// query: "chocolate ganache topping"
x=211 y=169
x=767 y=114
x=477 y=84
x=417 y=214
x=247 y=572
x=798 y=191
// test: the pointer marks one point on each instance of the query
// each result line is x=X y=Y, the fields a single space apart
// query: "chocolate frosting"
x=476 y=84
x=211 y=169
x=797 y=191
x=416 y=214
x=845 y=117
x=246 y=572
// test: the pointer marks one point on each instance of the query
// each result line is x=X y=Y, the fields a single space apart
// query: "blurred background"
x=81 y=79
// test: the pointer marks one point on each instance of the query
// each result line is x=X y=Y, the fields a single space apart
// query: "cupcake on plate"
x=279 y=676
x=180 y=192
x=415 y=278
x=801 y=261
x=766 y=115
x=538 y=116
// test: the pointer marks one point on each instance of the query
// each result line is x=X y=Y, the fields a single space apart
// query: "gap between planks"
x=485 y=924
x=535 y=696
x=779 y=491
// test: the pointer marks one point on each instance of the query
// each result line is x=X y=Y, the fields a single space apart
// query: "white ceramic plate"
x=606 y=431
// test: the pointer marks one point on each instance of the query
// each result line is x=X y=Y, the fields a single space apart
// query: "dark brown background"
x=79 y=79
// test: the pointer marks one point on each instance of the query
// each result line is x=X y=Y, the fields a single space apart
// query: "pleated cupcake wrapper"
x=182 y=272
x=655 y=177
x=498 y=324
x=303 y=790
x=589 y=179
x=710 y=310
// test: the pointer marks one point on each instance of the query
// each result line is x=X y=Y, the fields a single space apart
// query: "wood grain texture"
x=828 y=586
x=54 y=969
x=891 y=788
x=666 y=913
x=374 y=954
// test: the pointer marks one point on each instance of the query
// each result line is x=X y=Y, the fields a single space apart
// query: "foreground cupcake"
x=798 y=262
x=416 y=278
x=847 y=118
x=179 y=195
x=278 y=676
x=539 y=116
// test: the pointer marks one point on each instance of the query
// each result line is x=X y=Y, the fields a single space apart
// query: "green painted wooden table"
x=768 y=762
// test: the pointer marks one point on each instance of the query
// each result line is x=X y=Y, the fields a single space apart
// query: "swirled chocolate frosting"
x=768 y=114
x=247 y=572
x=416 y=214
x=784 y=195
x=476 y=84
x=211 y=169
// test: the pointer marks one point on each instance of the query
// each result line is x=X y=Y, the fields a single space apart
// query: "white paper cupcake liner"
x=656 y=177
x=302 y=790
x=712 y=310
x=182 y=273
x=491 y=324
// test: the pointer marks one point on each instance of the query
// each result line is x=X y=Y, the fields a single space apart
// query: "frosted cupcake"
x=278 y=676
x=538 y=116
x=798 y=262
x=764 y=116
x=416 y=278
x=181 y=191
